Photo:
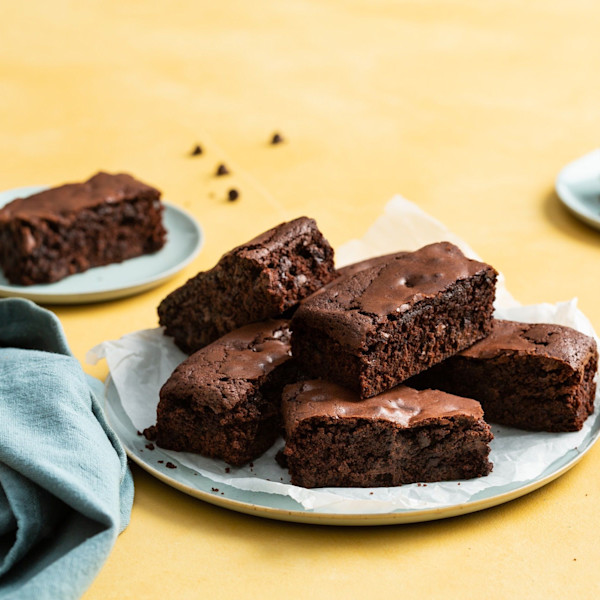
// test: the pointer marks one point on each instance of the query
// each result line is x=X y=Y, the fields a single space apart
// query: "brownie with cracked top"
x=531 y=376
x=258 y=280
x=333 y=438
x=374 y=329
x=71 y=228
x=224 y=400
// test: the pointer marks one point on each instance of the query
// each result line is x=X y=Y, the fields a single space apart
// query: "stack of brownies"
x=377 y=374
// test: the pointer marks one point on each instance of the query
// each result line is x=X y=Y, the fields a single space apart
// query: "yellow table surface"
x=467 y=108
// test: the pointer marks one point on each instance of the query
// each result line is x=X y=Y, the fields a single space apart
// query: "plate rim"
x=109 y=292
x=399 y=517
x=570 y=199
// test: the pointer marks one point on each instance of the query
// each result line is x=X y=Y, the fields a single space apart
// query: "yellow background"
x=468 y=108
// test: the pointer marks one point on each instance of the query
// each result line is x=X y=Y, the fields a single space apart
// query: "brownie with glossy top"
x=378 y=327
x=71 y=228
x=224 y=400
x=333 y=438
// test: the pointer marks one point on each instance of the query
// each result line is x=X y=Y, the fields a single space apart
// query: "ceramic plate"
x=168 y=469
x=578 y=187
x=184 y=240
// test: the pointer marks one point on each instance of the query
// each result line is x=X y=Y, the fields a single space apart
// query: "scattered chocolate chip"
x=277 y=139
x=150 y=446
x=197 y=150
x=222 y=170
x=170 y=465
x=233 y=195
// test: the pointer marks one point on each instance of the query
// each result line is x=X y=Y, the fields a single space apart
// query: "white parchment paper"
x=141 y=362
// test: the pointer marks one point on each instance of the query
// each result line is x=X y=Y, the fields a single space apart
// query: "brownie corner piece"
x=224 y=400
x=258 y=280
x=335 y=439
x=533 y=376
x=378 y=327
x=70 y=228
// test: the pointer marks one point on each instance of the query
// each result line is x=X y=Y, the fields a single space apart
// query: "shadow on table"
x=566 y=222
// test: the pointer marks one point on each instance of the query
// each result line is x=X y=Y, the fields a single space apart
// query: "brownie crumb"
x=214 y=489
x=170 y=465
x=150 y=433
x=281 y=459
x=161 y=461
x=251 y=465
x=196 y=151
x=277 y=139
x=150 y=446
x=233 y=195
x=140 y=433
x=222 y=170
x=227 y=469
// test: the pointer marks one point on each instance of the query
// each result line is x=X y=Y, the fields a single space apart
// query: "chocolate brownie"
x=255 y=281
x=374 y=329
x=537 y=377
x=224 y=400
x=333 y=438
x=73 y=227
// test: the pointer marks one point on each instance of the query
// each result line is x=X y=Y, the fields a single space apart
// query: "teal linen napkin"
x=65 y=488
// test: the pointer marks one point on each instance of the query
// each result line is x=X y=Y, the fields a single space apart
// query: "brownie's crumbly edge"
x=260 y=280
x=360 y=453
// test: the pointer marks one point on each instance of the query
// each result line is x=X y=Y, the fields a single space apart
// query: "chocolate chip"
x=196 y=151
x=222 y=170
x=276 y=139
x=233 y=195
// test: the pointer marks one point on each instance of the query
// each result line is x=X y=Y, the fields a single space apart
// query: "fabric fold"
x=66 y=490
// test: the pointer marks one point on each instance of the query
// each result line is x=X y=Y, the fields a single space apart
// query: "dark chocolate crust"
x=538 y=377
x=71 y=228
x=258 y=280
x=335 y=439
x=224 y=400
x=376 y=328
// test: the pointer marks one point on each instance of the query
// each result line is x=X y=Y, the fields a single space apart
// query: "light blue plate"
x=168 y=469
x=184 y=240
x=578 y=187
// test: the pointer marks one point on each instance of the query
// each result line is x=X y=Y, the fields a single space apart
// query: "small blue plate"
x=184 y=240
x=578 y=187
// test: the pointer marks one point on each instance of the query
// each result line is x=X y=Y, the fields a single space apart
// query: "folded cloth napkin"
x=65 y=488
